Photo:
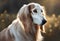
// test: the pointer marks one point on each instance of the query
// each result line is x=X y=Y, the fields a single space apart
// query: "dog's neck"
x=29 y=32
x=31 y=29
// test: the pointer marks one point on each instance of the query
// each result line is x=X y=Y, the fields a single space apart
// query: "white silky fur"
x=17 y=29
x=38 y=17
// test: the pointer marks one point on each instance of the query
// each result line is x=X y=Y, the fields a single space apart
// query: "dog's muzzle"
x=43 y=22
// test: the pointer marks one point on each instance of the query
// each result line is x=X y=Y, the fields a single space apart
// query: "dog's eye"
x=35 y=11
x=41 y=10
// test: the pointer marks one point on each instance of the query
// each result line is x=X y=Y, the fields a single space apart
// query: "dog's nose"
x=43 y=21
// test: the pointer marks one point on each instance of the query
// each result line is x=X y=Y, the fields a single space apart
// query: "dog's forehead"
x=38 y=6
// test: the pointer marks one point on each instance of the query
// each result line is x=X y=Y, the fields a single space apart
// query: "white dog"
x=27 y=26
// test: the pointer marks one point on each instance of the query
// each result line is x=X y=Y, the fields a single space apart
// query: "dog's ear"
x=21 y=10
x=30 y=7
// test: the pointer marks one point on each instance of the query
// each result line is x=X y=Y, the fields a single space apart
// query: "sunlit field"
x=53 y=23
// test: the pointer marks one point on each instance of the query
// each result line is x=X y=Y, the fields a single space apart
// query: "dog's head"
x=32 y=12
x=37 y=13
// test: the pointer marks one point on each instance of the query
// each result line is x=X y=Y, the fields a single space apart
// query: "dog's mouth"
x=40 y=26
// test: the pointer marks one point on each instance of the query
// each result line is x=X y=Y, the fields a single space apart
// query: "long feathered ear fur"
x=24 y=17
x=30 y=6
x=25 y=11
x=21 y=11
x=22 y=14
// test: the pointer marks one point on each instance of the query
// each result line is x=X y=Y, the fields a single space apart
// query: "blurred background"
x=10 y=8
